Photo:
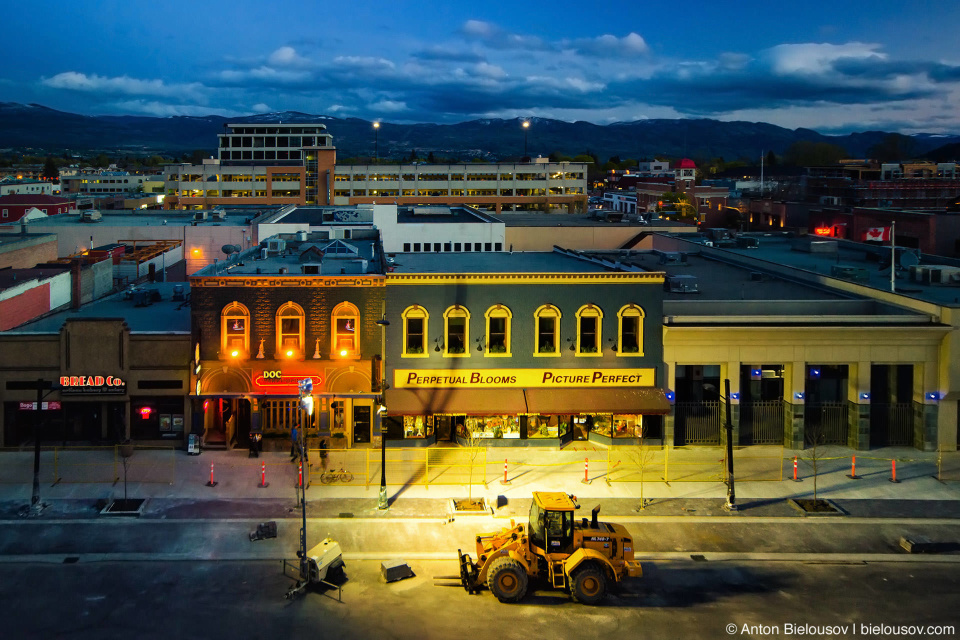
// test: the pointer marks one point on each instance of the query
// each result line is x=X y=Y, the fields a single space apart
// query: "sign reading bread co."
x=92 y=384
x=502 y=378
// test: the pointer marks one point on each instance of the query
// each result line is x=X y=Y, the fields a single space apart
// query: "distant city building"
x=281 y=164
x=15 y=206
x=31 y=187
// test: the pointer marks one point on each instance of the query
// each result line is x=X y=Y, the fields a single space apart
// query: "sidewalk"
x=180 y=488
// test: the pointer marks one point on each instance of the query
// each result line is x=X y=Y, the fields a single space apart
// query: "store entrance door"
x=361 y=423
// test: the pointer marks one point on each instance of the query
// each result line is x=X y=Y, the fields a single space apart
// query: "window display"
x=627 y=426
x=545 y=427
x=417 y=426
x=491 y=427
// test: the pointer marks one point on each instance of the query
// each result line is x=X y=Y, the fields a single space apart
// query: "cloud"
x=123 y=85
x=388 y=106
x=162 y=110
x=261 y=107
x=818 y=58
x=286 y=57
x=607 y=45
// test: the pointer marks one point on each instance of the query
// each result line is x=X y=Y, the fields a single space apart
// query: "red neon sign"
x=145 y=413
x=823 y=231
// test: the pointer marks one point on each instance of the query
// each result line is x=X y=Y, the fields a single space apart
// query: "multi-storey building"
x=279 y=164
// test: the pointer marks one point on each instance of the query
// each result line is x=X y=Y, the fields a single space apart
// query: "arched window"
x=235 y=331
x=456 y=332
x=415 y=324
x=589 y=322
x=498 y=332
x=345 y=321
x=630 y=334
x=547 y=322
x=290 y=331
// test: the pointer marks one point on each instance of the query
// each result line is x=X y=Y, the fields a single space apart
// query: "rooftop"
x=236 y=217
x=166 y=316
x=497 y=262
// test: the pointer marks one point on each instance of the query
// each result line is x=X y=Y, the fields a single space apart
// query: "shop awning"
x=477 y=402
x=645 y=400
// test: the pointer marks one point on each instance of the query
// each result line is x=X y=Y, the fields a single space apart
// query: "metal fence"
x=111 y=464
x=697 y=423
x=421 y=465
x=761 y=422
x=891 y=425
x=826 y=423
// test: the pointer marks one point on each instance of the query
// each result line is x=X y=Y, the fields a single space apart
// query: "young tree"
x=50 y=170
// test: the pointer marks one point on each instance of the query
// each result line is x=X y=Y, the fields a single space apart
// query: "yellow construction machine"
x=580 y=557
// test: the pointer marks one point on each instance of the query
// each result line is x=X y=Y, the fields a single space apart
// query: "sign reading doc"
x=503 y=378
x=77 y=385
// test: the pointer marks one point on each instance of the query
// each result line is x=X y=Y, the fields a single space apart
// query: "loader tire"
x=589 y=584
x=507 y=579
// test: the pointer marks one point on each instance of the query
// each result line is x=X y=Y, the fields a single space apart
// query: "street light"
x=306 y=404
x=376 y=143
x=526 y=127
x=381 y=410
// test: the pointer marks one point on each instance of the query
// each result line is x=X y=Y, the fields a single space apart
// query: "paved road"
x=675 y=599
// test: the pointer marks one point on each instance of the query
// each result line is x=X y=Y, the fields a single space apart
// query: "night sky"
x=829 y=66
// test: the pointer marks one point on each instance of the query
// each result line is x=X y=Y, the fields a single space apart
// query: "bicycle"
x=341 y=475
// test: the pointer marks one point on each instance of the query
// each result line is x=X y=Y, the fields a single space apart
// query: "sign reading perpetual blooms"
x=496 y=378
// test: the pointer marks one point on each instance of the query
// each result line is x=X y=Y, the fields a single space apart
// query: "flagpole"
x=893 y=256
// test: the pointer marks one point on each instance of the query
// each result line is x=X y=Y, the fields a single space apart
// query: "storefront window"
x=548 y=329
x=546 y=426
x=589 y=318
x=417 y=426
x=491 y=427
x=627 y=426
x=602 y=425
x=630 y=340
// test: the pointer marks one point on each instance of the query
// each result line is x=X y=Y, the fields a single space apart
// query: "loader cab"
x=551 y=522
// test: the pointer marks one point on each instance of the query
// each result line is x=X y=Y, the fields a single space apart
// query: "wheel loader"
x=580 y=557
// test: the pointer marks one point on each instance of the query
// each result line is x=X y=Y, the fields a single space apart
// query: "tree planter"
x=132 y=507
x=811 y=507
x=469 y=507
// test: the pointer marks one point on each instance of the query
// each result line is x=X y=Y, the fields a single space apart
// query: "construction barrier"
x=86 y=464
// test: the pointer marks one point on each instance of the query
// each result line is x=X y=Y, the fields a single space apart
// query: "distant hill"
x=946 y=153
x=42 y=130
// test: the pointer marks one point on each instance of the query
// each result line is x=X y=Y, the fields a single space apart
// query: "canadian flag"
x=879 y=234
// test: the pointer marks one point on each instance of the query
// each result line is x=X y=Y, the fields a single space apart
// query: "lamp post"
x=376 y=143
x=306 y=404
x=526 y=127
x=381 y=410
x=731 y=504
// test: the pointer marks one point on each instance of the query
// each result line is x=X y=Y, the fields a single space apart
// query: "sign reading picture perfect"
x=76 y=385
x=500 y=378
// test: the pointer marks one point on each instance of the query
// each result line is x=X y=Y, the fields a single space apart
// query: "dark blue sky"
x=830 y=66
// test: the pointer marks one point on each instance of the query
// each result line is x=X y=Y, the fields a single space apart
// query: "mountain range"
x=39 y=130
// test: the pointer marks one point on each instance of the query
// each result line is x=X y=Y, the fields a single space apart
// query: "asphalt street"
x=674 y=599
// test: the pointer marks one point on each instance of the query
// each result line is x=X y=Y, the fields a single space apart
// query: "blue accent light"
x=798 y=395
x=814 y=373
x=671 y=396
x=735 y=395
x=933 y=395
x=865 y=395
x=756 y=373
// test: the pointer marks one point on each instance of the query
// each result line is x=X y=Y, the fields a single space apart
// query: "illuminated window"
x=589 y=319
x=290 y=331
x=345 y=321
x=630 y=335
x=547 y=321
x=498 y=331
x=415 y=332
x=235 y=331
x=456 y=332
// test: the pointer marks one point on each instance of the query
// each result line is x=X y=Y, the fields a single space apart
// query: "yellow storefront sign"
x=496 y=378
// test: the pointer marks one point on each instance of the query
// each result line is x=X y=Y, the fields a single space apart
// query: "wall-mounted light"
x=480 y=344
x=234 y=353
x=343 y=353
x=865 y=395
x=206 y=405
x=814 y=373
x=671 y=396
x=735 y=395
x=439 y=345
x=756 y=373
x=799 y=395
x=290 y=353
x=933 y=395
